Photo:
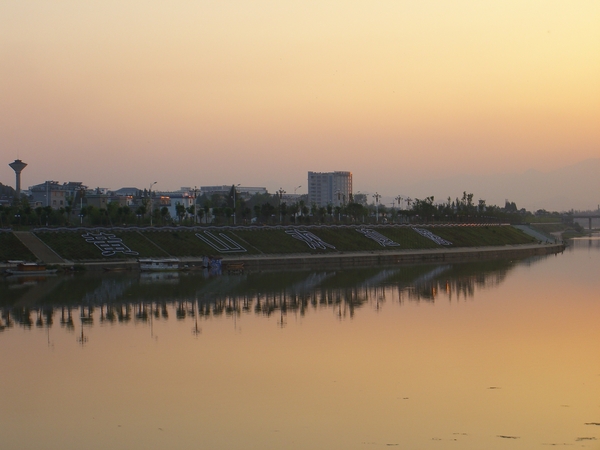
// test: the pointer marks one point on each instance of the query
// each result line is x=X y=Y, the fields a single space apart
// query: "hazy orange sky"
x=116 y=93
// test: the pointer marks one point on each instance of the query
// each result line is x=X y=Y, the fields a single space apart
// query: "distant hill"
x=572 y=187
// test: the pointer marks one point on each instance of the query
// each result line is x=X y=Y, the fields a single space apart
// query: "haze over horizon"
x=259 y=93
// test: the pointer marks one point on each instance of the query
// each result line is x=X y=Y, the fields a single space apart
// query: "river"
x=493 y=355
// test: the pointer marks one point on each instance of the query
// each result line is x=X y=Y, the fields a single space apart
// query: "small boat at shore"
x=24 y=268
x=159 y=264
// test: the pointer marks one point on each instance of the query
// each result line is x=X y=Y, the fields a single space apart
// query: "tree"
x=283 y=211
x=360 y=199
x=267 y=210
x=38 y=212
x=180 y=211
x=206 y=206
x=164 y=214
x=356 y=210
x=228 y=213
x=191 y=210
x=257 y=209
x=293 y=210
x=69 y=208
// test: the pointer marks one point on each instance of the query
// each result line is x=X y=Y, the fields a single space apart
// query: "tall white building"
x=329 y=188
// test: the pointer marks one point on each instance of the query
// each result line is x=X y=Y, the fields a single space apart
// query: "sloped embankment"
x=84 y=244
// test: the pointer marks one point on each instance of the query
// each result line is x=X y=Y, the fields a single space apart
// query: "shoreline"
x=383 y=258
x=341 y=260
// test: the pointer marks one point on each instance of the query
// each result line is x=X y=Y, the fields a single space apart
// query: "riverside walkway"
x=387 y=257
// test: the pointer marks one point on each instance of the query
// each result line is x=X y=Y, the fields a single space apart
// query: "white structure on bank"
x=171 y=202
x=329 y=188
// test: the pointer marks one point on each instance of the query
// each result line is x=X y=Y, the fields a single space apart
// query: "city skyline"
x=576 y=186
x=260 y=93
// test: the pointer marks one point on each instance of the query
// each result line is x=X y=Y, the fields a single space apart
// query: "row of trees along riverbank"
x=231 y=209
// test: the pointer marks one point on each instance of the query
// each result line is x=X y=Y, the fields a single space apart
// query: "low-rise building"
x=243 y=191
x=56 y=195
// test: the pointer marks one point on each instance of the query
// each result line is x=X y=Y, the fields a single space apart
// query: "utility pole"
x=234 y=189
x=150 y=195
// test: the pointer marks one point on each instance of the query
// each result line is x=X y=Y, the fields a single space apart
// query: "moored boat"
x=158 y=264
x=24 y=268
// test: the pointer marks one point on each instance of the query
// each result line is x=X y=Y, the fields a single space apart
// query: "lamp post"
x=234 y=189
x=150 y=195
x=399 y=199
x=298 y=187
x=280 y=192
x=195 y=206
x=376 y=196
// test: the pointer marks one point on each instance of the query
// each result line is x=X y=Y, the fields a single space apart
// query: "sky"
x=258 y=93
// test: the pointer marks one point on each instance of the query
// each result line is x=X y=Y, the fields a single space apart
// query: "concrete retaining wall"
x=362 y=259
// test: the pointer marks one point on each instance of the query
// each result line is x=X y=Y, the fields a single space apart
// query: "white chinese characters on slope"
x=222 y=244
x=429 y=235
x=378 y=237
x=311 y=240
x=108 y=244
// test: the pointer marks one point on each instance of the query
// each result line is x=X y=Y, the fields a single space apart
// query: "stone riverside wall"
x=357 y=259
x=363 y=259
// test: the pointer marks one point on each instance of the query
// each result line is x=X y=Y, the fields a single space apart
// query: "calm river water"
x=494 y=355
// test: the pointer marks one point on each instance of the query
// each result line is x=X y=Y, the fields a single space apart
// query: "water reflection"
x=143 y=298
x=591 y=242
x=471 y=356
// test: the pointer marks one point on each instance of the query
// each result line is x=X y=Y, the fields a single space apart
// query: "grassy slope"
x=482 y=236
x=13 y=248
x=72 y=245
x=185 y=243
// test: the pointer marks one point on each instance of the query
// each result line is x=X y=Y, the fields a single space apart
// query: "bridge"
x=585 y=216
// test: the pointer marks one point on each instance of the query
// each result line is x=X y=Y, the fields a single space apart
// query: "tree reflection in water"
x=110 y=300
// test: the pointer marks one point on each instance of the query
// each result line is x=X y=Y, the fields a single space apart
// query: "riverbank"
x=362 y=259
x=262 y=248
x=341 y=260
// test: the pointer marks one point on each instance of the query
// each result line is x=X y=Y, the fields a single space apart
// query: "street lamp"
x=376 y=196
x=150 y=194
x=234 y=189
x=399 y=199
x=280 y=192
x=301 y=186
x=195 y=205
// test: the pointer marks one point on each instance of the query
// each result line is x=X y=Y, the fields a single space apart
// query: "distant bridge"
x=585 y=216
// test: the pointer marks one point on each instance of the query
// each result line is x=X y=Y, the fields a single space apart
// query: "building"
x=56 y=195
x=242 y=191
x=329 y=188
x=127 y=192
x=172 y=201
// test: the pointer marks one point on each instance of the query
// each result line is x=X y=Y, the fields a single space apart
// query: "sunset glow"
x=259 y=93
